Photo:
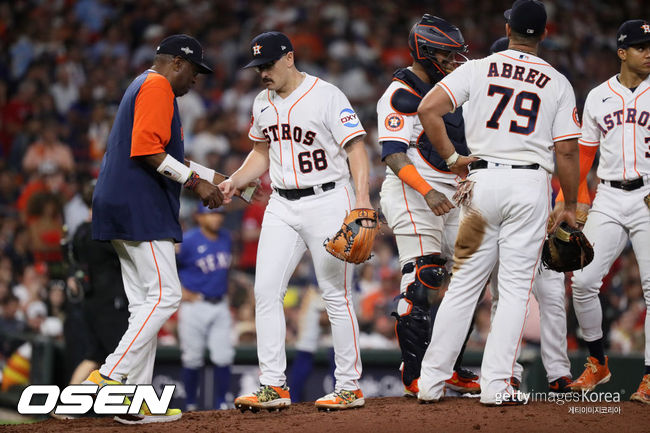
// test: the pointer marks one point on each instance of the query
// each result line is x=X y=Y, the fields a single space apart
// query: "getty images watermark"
x=108 y=400
x=564 y=398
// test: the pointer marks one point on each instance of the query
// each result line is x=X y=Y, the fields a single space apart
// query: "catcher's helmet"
x=433 y=34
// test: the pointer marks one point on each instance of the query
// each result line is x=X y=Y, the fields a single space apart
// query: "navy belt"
x=477 y=165
x=297 y=194
x=625 y=185
x=213 y=300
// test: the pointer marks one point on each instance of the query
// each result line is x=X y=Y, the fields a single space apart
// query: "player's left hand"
x=364 y=204
x=562 y=213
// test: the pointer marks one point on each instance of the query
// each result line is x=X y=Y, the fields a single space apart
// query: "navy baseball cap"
x=527 y=17
x=632 y=32
x=200 y=209
x=186 y=47
x=268 y=47
x=500 y=44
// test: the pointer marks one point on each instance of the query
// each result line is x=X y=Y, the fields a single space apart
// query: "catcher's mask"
x=433 y=35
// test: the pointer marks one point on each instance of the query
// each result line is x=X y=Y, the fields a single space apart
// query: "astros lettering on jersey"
x=619 y=120
x=305 y=140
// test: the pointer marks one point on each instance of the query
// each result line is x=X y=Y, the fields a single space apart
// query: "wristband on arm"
x=174 y=169
x=452 y=159
x=204 y=172
x=410 y=175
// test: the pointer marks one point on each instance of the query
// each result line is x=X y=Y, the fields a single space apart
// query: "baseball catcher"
x=567 y=249
x=354 y=240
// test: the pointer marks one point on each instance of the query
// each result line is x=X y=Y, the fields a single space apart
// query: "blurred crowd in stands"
x=64 y=65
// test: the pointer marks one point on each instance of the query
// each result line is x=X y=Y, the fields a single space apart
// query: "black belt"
x=625 y=185
x=297 y=194
x=477 y=165
x=214 y=300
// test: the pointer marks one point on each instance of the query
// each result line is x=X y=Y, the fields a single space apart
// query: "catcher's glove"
x=567 y=249
x=353 y=242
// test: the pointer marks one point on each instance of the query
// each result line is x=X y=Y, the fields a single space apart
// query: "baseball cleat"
x=594 y=374
x=515 y=383
x=412 y=389
x=96 y=378
x=428 y=401
x=560 y=386
x=463 y=381
x=146 y=417
x=341 y=400
x=642 y=395
x=266 y=397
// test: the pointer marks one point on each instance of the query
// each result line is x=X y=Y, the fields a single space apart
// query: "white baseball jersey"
x=305 y=140
x=394 y=125
x=619 y=121
x=513 y=92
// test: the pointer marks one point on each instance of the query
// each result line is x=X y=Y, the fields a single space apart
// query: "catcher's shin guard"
x=413 y=330
x=430 y=270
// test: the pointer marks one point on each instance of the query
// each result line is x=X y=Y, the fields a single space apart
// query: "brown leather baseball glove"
x=353 y=242
x=567 y=249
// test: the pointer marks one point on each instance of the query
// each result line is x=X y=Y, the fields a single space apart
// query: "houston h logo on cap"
x=257 y=49
x=646 y=28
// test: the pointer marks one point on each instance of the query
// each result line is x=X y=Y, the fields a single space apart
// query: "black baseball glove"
x=567 y=249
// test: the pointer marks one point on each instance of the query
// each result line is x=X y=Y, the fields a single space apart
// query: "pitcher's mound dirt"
x=390 y=414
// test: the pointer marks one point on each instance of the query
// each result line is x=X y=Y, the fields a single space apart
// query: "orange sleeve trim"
x=349 y=137
x=582 y=140
x=449 y=92
x=587 y=155
x=152 y=118
x=412 y=178
x=256 y=138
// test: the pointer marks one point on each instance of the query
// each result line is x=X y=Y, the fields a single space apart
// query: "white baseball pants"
x=615 y=217
x=288 y=230
x=202 y=324
x=550 y=292
x=418 y=231
x=506 y=223
x=154 y=292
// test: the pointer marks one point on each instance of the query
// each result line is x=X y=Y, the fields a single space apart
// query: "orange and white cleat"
x=412 y=389
x=266 y=397
x=464 y=381
x=642 y=395
x=595 y=374
x=341 y=400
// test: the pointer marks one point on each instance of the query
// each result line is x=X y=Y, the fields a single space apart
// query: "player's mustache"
x=267 y=80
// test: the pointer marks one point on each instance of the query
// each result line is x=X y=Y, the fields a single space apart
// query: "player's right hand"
x=209 y=194
x=228 y=190
x=438 y=202
x=460 y=167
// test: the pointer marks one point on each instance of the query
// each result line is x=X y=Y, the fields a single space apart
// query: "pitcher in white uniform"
x=520 y=109
x=616 y=119
x=305 y=130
